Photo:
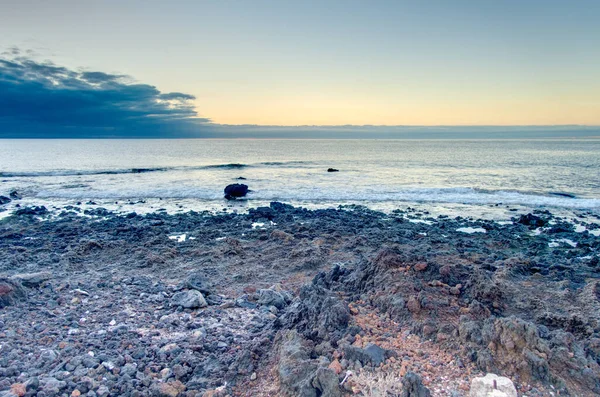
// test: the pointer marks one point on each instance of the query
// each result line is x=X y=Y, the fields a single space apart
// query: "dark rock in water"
x=32 y=211
x=11 y=292
x=412 y=386
x=235 y=190
x=531 y=220
x=32 y=280
x=240 y=178
x=15 y=195
x=569 y=195
x=332 y=170
x=4 y=200
x=188 y=299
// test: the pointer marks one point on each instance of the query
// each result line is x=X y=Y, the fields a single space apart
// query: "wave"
x=230 y=166
x=33 y=174
x=227 y=166
x=337 y=195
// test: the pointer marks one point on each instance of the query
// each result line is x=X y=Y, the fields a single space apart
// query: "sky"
x=290 y=63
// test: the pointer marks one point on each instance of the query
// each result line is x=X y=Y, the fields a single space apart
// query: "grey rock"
x=327 y=382
x=412 y=386
x=371 y=354
x=191 y=299
x=269 y=297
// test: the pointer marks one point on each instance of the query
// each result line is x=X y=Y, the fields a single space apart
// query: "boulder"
x=198 y=282
x=188 y=299
x=4 y=200
x=371 y=354
x=269 y=297
x=332 y=170
x=11 y=291
x=492 y=385
x=235 y=190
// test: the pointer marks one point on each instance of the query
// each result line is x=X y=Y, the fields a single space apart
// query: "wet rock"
x=37 y=211
x=261 y=213
x=15 y=195
x=332 y=170
x=235 y=190
x=4 y=200
x=412 y=386
x=191 y=299
x=531 y=221
x=485 y=386
x=11 y=292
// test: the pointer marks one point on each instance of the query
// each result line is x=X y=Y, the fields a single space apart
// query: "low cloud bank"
x=41 y=99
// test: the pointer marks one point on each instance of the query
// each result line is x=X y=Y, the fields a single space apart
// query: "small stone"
x=76 y=393
x=253 y=376
x=413 y=305
x=18 y=389
x=421 y=266
x=171 y=389
x=336 y=366
x=102 y=391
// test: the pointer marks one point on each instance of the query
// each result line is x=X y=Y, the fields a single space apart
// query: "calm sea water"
x=382 y=173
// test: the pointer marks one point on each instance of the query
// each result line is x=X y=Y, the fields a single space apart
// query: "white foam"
x=420 y=221
x=257 y=225
x=556 y=243
x=471 y=230
x=180 y=238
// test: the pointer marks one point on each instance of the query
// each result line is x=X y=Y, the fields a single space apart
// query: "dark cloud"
x=41 y=99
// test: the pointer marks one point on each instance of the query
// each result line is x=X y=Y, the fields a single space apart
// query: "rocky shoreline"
x=287 y=301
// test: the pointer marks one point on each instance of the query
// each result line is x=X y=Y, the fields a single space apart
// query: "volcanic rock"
x=235 y=190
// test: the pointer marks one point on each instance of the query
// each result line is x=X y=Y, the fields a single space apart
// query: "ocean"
x=489 y=176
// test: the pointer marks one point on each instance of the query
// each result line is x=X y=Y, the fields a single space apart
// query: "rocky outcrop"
x=301 y=376
x=317 y=314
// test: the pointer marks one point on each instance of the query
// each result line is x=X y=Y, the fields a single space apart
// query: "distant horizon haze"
x=194 y=69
